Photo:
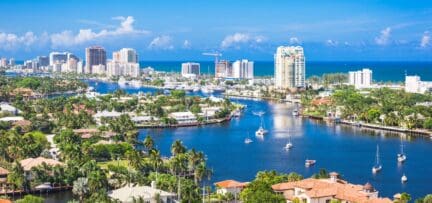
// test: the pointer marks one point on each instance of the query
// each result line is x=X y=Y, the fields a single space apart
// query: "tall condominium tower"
x=95 y=55
x=242 y=69
x=190 y=68
x=289 y=67
x=125 y=55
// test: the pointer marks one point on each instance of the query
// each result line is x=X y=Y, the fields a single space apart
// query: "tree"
x=31 y=199
x=405 y=197
x=260 y=191
x=427 y=199
x=177 y=148
x=155 y=159
x=148 y=143
x=16 y=177
x=80 y=188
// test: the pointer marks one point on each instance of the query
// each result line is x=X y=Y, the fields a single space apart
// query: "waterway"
x=348 y=150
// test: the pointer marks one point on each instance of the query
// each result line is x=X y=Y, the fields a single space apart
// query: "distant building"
x=3 y=62
x=129 y=194
x=122 y=69
x=125 y=55
x=230 y=186
x=43 y=61
x=413 y=84
x=183 y=117
x=57 y=57
x=243 y=69
x=95 y=55
x=11 y=61
x=223 y=69
x=361 y=78
x=98 y=69
x=190 y=69
x=289 y=67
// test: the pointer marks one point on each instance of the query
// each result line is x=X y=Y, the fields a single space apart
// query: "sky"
x=331 y=30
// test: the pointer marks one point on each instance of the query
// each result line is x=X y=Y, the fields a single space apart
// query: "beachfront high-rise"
x=242 y=69
x=289 y=67
x=190 y=69
x=361 y=78
x=95 y=55
x=223 y=69
x=125 y=55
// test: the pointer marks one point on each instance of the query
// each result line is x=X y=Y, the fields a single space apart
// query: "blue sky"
x=183 y=29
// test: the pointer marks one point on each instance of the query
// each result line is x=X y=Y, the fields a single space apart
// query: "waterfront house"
x=86 y=133
x=183 y=117
x=141 y=120
x=29 y=163
x=129 y=194
x=3 y=175
x=324 y=190
x=7 y=108
x=230 y=186
x=12 y=119
x=106 y=115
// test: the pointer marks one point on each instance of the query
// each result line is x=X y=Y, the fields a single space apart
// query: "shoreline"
x=419 y=132
x=182 y=125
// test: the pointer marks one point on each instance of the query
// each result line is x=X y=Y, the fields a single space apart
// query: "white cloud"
x=384 y=37
x=332 y=43
x=161 y=42
x=294 y=40
x=10 y=41
x=425 y=40
x=240 y=38
x=187 y=44
x=68 y=38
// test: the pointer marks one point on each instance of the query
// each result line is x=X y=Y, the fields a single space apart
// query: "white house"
x=5 y=107
x=127 y=194
x=183 y=117
x=106 y=114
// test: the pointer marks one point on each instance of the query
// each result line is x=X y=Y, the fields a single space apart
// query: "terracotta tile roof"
x=3 y=171
x=29 y=163
x=5 y=201
x=231 y=184
x=317 y=188
x=22 y=123
x=321 y=101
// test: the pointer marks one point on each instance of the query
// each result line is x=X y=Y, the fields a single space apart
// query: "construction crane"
x=215 y=54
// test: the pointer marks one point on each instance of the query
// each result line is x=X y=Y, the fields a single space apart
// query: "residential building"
x=3 y=62
x=95 y=55
x=57 y=57
x=6 y=107
x=98 y=69
x=414 y=84
x=223 y=69
x=99 y=116
x=115 y=68
x=242 y=69
x=125 y=55
x=290 y=68
x=361 y=78
x=129 y=194
x=43 y=61
x=11 y=61
x=230 y=186
x=183 y=117
x=190 y=69
x=313 y=190
x=30 y=163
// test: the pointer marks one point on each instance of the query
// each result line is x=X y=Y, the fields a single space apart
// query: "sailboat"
x=401 y=157
x=248 y=140
x=289 y=145
x=261 y=131
x=377 y=167
x=404 y=178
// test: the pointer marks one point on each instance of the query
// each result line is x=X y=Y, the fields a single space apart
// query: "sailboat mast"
x=377 y=156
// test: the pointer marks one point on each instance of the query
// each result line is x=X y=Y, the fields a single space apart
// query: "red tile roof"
x=231 y=184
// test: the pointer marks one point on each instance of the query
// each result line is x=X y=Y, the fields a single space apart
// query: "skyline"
x=168 y=30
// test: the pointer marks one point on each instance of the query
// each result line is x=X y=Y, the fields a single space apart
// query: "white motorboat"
x=288 y=146
x=261 y=131
x=377 y=167
x=248 y=141
x=309 y=162
x=404 y=178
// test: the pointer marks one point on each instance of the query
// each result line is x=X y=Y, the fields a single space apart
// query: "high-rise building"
x=361 y=78
x=57 y=57
x=414 y=84
x=125 y=55
x=242 y=69
x=289 y=67
x=190 y=69
x=115 y=68
x=43 y=61
x=3 y=62
x=95 y=55
x=11 y=61
x=223 y=69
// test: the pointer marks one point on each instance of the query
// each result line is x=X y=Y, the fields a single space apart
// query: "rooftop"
x=29 y=163
x=231 y=184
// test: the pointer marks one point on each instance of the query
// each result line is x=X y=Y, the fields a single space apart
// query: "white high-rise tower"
x=290 y=68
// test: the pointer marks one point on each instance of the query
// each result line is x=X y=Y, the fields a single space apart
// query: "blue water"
x=345 y=149
x=382 y=71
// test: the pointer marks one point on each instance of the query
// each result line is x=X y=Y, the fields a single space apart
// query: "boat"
x=377 y=167
x=206 y=90
x=404 y=178
x=261 y=131
x=401 y=157
x=309 y=162
x=196 y=89
x=247 y=141
x=289 y=145
x=295 y=113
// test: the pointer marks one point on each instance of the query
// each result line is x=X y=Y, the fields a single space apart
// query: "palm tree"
x=155 y=159
x=135 y=159
x=80 y=188
x=177 y=148
x=202 y=172
x=148 y=143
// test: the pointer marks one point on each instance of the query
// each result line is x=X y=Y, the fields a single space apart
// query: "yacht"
x=377 y=167
x=261 y=131
x=309 y=162
x=136 y=83
x=122 y=82
x=248 y=141
x=196 y=89
x=404 y=178
x=401 y=157
x=289 y=145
